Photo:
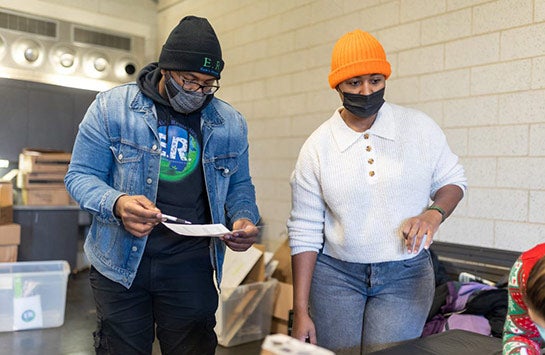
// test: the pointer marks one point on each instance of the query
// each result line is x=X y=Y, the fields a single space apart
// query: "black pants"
x=174 y=294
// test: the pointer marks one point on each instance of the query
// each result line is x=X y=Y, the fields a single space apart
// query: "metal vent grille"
x=86 y=36
x=28 y=24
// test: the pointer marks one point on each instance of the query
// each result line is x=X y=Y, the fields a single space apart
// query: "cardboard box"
x=283 y=270
x=6 y=214
x=33 y=287
x=51 y=197
x=244 y=314
x=10 y=238
x=279 y=326
x=10 y=234
x=6 y=193
x=283 y=303
x=284 y=298
x=43 y=160
x=8 y=253
x=47 y=180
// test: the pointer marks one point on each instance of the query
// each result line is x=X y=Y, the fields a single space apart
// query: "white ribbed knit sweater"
x=351 y=191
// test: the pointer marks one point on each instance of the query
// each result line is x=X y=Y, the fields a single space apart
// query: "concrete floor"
x=74 y=337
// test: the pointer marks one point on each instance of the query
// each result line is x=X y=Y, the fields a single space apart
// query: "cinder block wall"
x=476 y=66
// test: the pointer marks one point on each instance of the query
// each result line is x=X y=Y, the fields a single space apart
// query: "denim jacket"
x=117 y=151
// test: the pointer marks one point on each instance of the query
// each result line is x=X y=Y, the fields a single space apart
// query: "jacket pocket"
x=226 y=166
x=127 y=167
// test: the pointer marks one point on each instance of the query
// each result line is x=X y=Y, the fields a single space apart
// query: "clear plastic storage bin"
x=245 y=313
x=32 y=294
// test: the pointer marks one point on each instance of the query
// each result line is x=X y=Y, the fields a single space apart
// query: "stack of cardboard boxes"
x=41 y=177
x=10 y=233
x=284 y=297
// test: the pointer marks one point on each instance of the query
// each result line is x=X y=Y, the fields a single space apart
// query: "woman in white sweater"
x=361 y=219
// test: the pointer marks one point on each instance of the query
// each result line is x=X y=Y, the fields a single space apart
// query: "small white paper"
x=6 y=282
x=27 y=313
x=422 y=244
x=198 y=230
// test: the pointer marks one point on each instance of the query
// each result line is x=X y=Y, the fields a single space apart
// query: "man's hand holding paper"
x=242 y=237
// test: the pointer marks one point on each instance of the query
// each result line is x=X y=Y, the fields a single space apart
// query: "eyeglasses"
x=190 y=85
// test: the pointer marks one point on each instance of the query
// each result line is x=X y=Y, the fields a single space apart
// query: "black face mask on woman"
x=364 y=106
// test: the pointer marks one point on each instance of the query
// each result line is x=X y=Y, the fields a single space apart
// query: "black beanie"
x=192 y=46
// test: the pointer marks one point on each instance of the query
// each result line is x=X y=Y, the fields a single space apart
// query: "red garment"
x=519 y=330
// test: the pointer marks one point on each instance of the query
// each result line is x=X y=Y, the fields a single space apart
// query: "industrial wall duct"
x=66 y=54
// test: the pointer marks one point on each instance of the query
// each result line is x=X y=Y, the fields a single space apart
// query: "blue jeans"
x=365 y=307
x=174 y=294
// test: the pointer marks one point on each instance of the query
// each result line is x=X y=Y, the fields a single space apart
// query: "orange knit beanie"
x=357 y=53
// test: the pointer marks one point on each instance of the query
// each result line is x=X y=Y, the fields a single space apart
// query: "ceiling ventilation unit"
x=67 y=54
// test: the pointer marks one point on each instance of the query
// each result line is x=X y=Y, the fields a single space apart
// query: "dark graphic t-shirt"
x=181 y=190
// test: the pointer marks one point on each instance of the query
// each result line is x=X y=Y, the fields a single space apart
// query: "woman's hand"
x=416 y=228
x=303 y=328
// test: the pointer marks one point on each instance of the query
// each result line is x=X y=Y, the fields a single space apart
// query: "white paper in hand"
x=198 y=230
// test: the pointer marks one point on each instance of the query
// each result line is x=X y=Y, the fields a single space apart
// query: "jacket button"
x=135 y=249
x=120 y=157
x=149 y=180
x=154 y=147
x=226 y=170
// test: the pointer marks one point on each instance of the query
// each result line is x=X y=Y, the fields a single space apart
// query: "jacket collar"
x=211 y=115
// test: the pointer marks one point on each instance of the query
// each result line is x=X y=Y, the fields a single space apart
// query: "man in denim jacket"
x=163 y=145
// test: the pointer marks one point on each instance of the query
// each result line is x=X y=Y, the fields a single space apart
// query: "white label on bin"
x=27 y=312
x=6 y=282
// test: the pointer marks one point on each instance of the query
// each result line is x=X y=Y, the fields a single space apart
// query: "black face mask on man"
x=181 y=100
x=363 y=106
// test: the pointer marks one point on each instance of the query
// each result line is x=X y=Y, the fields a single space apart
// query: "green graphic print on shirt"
x=180 y=152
